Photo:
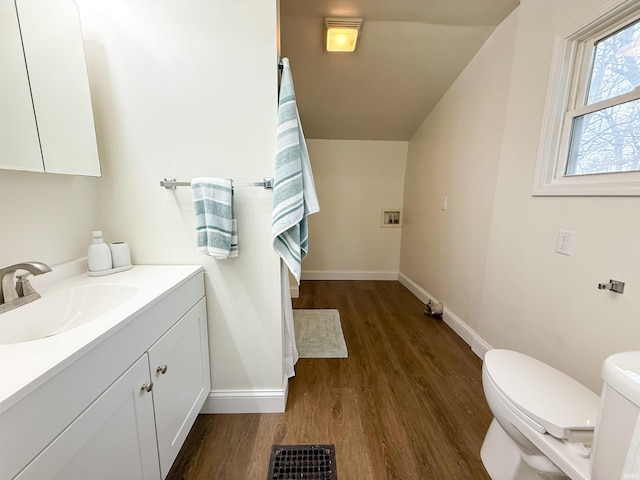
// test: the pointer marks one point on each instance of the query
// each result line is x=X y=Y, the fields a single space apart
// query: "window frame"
x=566 y=100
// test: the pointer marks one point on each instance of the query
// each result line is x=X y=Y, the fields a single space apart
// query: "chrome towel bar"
x=171 y=183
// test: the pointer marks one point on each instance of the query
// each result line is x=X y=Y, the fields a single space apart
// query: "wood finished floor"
x=407 y=404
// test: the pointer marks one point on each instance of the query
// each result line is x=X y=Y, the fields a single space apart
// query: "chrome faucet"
x=12 y=296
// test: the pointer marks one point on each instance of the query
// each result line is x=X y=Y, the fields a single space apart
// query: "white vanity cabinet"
x=97 y=420
x=113 y=438
x=180 y=373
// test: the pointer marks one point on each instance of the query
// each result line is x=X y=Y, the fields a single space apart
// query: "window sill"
x=586 y=187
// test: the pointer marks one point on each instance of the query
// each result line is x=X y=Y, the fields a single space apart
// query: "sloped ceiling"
x=409 y=53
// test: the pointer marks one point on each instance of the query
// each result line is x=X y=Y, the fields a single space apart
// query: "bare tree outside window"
x=607 y=140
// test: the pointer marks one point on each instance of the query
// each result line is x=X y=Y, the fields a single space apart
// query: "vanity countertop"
x=27 y=365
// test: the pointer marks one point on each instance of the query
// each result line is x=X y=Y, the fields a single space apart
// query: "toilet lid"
x=549 y=397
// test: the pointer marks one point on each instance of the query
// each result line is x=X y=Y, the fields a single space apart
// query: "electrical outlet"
x=443 y=203
x=564 y=243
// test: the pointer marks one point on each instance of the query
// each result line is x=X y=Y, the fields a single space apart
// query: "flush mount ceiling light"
x=341 y=34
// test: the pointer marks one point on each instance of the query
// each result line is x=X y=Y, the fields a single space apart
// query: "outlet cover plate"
x=564 y=243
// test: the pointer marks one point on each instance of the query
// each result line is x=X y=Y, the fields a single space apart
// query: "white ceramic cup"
x=120 y=254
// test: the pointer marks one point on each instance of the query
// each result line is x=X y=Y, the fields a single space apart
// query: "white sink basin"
x=61 y=312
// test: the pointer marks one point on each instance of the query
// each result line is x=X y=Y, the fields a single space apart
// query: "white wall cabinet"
x=46 y=115
x=134 y=428
x=19 y=143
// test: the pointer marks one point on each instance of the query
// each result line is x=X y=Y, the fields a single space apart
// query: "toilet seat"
x=547 y=399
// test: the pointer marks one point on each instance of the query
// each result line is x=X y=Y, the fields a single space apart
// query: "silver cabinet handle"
x=161 y=369
x=147 y=387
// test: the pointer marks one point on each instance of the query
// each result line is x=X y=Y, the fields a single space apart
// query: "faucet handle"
x=23 y=286
x=8 y=289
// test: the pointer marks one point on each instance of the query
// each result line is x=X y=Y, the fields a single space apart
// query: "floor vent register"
x=302 y=462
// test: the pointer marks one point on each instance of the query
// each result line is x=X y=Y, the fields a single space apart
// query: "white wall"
x=531 y=299
x=535 y=300
x=46 y=217
x=355 y=180
x=455 y=154
x=186 y=89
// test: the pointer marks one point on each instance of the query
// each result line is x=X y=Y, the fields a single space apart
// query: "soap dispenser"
x=99 y=254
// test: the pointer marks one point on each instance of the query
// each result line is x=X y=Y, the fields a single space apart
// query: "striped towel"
x=216 y=225
x=294 y=193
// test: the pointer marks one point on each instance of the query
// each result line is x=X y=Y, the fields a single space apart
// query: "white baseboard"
x=348 y=275
x=464 y=331
x=480 y=347
x=416 y=289
x=247 y=401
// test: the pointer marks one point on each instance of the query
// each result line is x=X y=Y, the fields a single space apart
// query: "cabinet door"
x=54 y=53
x=114 y=439
x=179 y=393
x=19 y=144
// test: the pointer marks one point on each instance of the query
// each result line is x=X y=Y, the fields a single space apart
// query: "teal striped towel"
x=216 y=225
x=294 y=192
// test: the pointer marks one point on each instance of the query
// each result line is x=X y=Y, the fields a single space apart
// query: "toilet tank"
x=616 y=447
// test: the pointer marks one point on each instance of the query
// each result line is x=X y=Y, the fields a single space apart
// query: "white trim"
x=456 y=324
x=348 y=275
x=416 y=289
x=247 y=401
x=478 y=345
x=604 y=104
x=294 y=291
x=560 y=99
x=555 y=106
x=607 y=14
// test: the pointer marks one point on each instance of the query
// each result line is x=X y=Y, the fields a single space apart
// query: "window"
x=591 y=136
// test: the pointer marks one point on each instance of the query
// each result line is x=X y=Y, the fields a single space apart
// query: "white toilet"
x=548 y=426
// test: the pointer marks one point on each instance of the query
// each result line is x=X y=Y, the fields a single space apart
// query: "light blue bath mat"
x=319 y=334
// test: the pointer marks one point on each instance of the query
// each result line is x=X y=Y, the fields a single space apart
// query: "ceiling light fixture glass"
x=341 y=34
